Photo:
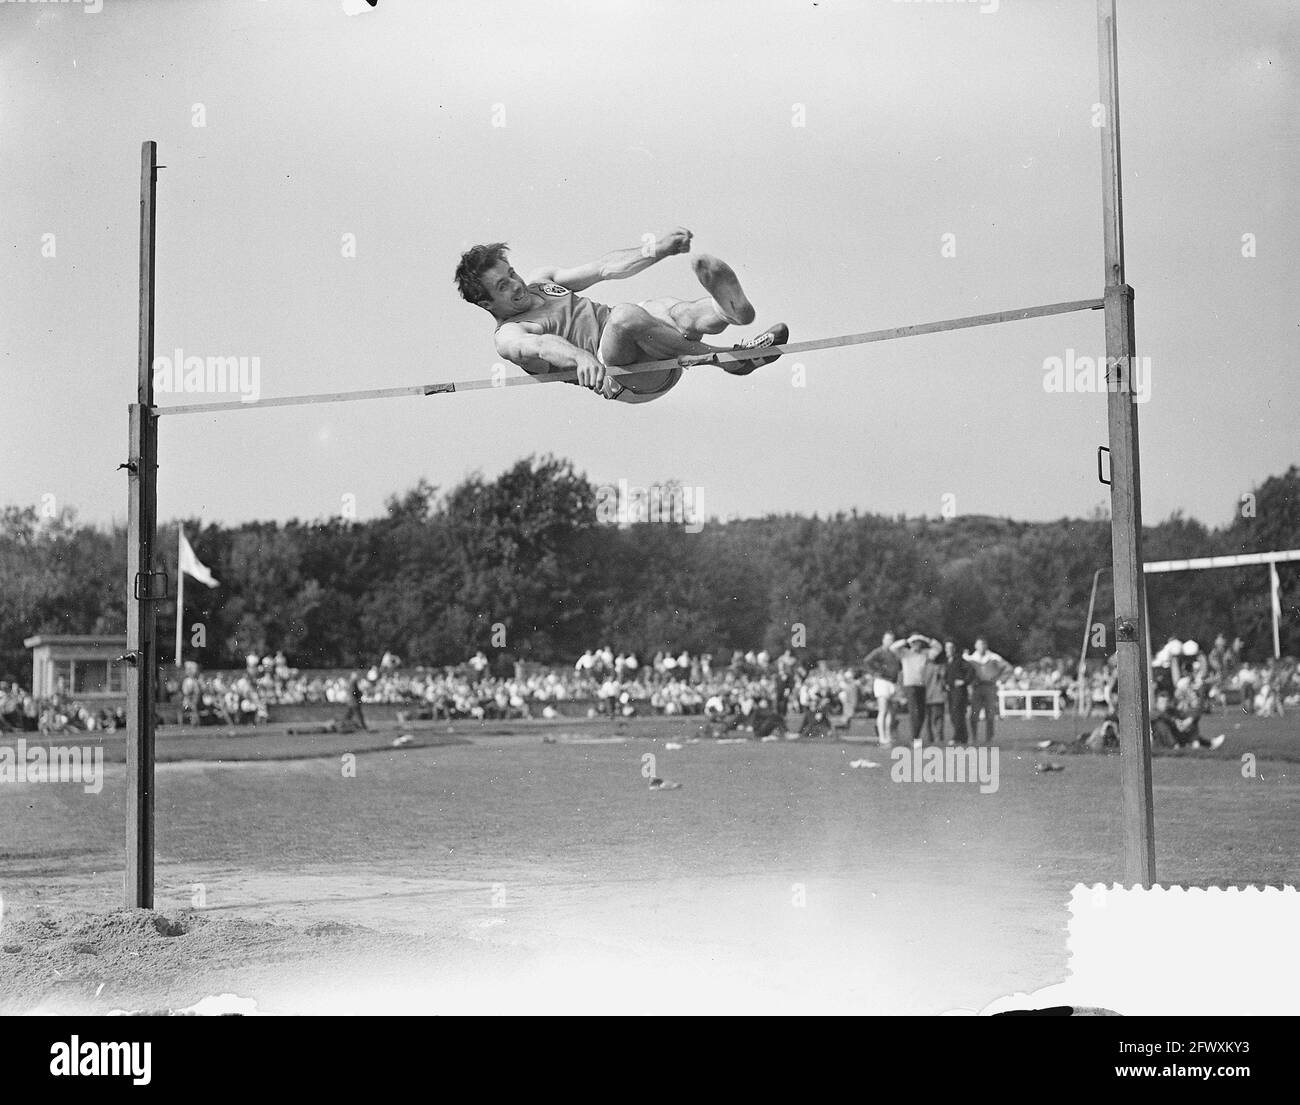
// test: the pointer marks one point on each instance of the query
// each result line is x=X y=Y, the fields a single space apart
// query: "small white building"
x=84 y=668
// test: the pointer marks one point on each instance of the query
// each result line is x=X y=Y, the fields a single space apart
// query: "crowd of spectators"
x=749 y=690
x=22 y=712
x=734 y=693
x=1203 y=681
x=1197 y=679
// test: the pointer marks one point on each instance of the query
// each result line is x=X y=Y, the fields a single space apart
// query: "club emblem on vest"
x=556 y=290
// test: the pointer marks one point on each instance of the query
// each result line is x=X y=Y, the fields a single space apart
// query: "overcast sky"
x=824 y=149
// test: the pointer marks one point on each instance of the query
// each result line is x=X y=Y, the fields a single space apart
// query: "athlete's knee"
x=630 y=316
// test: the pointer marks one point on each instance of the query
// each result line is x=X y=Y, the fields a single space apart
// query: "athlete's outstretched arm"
x=616 y=265
x=518 y=344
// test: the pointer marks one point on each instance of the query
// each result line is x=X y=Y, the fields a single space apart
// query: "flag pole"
x=180 y=590
x=1275 y=604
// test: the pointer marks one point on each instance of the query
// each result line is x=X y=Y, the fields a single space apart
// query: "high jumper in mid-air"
x=544 y=325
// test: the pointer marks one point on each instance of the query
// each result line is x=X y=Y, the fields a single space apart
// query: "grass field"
x=487 y=870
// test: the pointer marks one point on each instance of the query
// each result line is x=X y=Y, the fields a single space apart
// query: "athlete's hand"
x=676 y=241
x=610 y=388
x=591 y=372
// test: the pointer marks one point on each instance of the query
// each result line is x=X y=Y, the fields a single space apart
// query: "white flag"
x=191 y=564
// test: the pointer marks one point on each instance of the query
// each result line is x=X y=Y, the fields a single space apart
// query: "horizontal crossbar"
x=1241 y=560
x=486 y=384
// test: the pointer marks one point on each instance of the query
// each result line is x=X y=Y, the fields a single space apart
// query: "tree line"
x=523 y=567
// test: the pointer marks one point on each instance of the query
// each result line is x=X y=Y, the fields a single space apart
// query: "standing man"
x=848 y=696
x=191 y=695
x=912 y=656
x=989 y=667
x=936 y=693
x=355 y=694
x=786 y=666
x=608 y=695
x=883 y=669
x=1218 y=656
x=1164 y=665
x=957 y=679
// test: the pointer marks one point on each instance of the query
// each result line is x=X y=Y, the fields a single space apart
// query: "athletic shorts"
x=644 y=393
x=627 y=395
x=884 y=688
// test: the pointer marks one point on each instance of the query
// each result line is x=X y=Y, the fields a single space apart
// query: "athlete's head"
x=486 y=279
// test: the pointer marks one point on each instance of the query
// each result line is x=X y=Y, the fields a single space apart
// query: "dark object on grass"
x=303 y=730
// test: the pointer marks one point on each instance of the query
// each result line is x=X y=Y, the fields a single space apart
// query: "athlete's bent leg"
x=690 y=318
x=726 y=304
x=632 y=335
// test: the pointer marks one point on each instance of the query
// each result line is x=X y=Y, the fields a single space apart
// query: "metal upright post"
x=1131 y=643
x=141 y=588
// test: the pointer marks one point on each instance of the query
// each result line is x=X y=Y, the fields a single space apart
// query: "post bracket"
x=147 y=594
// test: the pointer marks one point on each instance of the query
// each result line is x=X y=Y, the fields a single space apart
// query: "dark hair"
x=474 y=262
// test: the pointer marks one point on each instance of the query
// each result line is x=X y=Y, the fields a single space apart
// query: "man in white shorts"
x=883 y=667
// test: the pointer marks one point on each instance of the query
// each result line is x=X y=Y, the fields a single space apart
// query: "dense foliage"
x=521 y=567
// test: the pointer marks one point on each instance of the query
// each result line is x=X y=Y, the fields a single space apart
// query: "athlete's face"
x=508 y=293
